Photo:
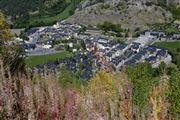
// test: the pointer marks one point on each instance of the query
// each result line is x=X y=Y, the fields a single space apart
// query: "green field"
x=35 y=60
x=168 y=45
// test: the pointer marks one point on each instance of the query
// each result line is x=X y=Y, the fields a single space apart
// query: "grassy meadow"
x=168 y=45
x=35 y=60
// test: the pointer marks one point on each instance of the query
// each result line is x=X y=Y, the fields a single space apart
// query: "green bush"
x=67 y=78
x=141 y=76
x=174 y=94
x=175 y=10
x=107 y=26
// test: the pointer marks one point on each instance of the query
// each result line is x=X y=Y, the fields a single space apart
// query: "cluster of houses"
x=110 y=52
x=43 y=38
x=100 y=51
x=162 y=35
x=83 y=64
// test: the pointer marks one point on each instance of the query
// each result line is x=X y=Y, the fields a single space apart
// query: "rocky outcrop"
x=131 y=14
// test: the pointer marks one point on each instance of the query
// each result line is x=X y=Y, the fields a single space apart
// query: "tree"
x=160 y=70
x=83 y=29
x=162 y=67
x=107 y=26
x=67 y=78
x=100 y=92
x=10 y=52
x=102 y=82
x=174 y=94
x=141 y=77
x=23 y=35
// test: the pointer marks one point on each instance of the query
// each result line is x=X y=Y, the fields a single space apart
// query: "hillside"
x=23 y=13
x=132 y=14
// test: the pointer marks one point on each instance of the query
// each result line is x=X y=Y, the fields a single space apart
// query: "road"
x=42 y=51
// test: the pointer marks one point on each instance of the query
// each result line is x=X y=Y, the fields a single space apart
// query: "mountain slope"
x=17 y=8
x=25 y=13
x=131 y=14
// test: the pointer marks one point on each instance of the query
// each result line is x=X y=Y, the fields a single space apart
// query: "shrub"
x=174 y=94
x=107 y=26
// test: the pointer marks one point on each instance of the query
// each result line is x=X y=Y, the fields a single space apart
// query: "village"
x=92 y=50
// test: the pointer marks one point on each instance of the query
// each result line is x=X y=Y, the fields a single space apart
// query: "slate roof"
x=161 y=53
x=121 y=46
x=130 y=62
x=151 y=59
x=135 y=45
x=118 y=60
x=109 y=54
x=28 y=46
x=137 y=56
x=151 y=48
x=32 y=31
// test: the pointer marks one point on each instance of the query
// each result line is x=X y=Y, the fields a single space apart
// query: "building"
x=145 y=40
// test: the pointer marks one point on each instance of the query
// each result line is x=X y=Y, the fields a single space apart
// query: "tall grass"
x=34 y=98
x=108 y=96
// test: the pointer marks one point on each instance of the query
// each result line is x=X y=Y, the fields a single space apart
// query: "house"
x=102 y=44
x=110 y=55
x=47 y=46
x=135 y=46
x=70 y=45
x=118 y=61
x=112 y=44
x=162 y=53
x=45 y=42
x=166 y=38
x=60 y=47
x=158 y=33
x=28 y=46
x=147 y=32
x=121 y=47
x=117 y=50
x=176 y=36
x=145 y=40
x=151 y=49
x=151 y=59
x=129 y=53
x=84 y=35
x=32 y=31
x=137 y=57
x=130 y=62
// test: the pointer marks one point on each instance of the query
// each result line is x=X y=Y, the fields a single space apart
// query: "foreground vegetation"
x=137 y=93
